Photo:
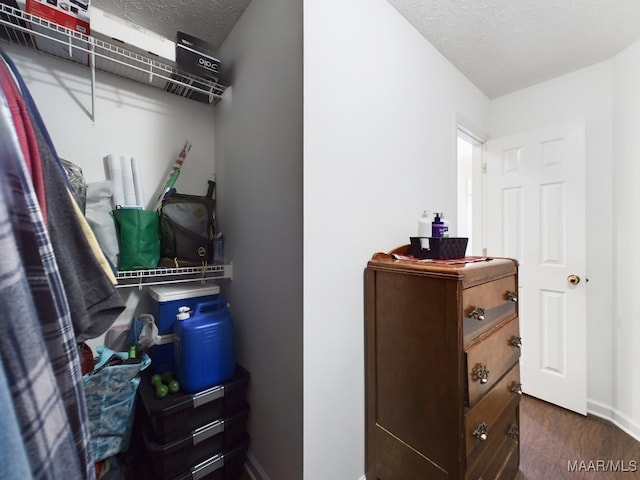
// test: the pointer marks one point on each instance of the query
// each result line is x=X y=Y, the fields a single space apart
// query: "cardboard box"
x=72 y=14
x=50 y=39
x=112 y=29
x=195 y=56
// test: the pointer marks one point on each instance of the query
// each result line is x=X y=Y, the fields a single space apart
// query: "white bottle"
x=424 y=225
x=424 y=229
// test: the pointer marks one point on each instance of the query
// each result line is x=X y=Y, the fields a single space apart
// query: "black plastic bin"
x=227 y=465
x=178 y=414
x=213 y=438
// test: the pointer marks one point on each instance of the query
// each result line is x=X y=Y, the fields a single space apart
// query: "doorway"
x=470 y=196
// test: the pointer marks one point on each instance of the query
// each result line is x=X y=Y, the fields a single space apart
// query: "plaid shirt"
x=37 y=344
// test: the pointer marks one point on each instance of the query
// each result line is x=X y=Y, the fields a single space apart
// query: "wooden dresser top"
x=471 y=273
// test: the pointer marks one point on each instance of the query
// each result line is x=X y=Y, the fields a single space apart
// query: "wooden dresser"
x=442 y=347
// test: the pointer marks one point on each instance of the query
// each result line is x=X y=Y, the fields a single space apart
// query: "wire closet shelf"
x=21 y=28
x=163 y=276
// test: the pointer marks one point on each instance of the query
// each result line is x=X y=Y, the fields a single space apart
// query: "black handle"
x=211 y=189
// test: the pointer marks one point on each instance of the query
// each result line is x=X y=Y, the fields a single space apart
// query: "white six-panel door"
x=535 y=213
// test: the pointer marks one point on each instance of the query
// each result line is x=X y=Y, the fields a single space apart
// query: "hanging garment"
x=93 y=299
x=25 y=134
x=13 y=457
x=36 y=118
x=37 y=342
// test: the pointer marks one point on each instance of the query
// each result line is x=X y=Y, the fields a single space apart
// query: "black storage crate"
x=444 y=248
x=178 y=414
x=213 y=438
x=221 y=466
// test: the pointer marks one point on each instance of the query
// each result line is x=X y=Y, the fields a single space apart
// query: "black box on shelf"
x=178 y=414
x=195 y=56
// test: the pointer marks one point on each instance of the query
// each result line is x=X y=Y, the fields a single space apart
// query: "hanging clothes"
x=53 y=292
x=94 y=301
x=31 y=296
x=13 y=457
x=26 y=137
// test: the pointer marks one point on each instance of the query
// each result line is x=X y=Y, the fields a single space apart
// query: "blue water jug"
x=204 y=353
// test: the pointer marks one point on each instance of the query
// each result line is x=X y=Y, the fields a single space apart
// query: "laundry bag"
x=110 y=392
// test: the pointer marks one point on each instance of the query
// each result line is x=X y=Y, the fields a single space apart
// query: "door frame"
x=478 y=138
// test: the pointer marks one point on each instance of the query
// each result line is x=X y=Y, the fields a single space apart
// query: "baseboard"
x=256 y=472
x=254 y=469
x=619 y=419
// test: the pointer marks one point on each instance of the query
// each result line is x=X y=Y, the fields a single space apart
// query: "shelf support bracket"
x=93 y=79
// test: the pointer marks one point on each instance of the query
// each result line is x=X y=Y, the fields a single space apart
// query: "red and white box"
x=72 y=14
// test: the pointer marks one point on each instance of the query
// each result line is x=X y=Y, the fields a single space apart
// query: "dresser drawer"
x=488 y=360
x=501 y=454
x=487 y=413
x=506 y=463
x=483 y=306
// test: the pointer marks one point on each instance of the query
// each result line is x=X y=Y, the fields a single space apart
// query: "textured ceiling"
x=506 y=45
x=500 y=45
x=209 y=20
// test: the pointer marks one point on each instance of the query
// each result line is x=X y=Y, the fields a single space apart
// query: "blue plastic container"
x=204 y=353
x=165 y=301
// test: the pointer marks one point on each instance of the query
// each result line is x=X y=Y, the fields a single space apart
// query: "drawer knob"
x=517 y=342
x=513 y=431
x=517 y=389
x=477 y=313
x=512 y=296
x=480 y=432
x=481 y=373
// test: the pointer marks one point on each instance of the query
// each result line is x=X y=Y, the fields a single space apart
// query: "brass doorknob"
x=573 y=279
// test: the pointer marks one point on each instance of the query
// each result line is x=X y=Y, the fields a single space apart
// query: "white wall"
x=130 y=118
x=379 y=148
x=625 y=239
x=259 y=173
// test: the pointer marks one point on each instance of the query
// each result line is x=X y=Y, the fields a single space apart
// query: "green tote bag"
x=138 y=238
